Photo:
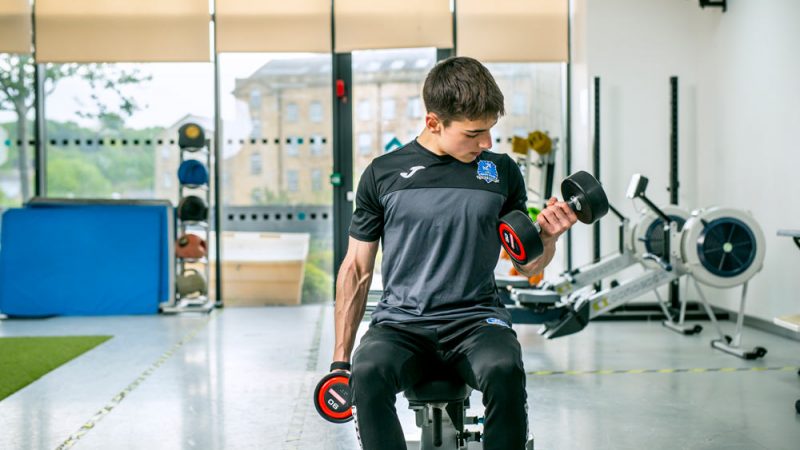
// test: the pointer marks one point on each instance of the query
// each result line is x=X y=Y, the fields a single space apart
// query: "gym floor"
x=243 y=378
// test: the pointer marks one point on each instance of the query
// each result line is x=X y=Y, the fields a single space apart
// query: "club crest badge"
x=487 y=172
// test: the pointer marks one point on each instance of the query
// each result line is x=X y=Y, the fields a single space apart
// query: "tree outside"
x=17 y=96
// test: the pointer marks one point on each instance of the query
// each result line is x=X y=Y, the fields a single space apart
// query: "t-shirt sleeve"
x=517 y=194
x=367 y=223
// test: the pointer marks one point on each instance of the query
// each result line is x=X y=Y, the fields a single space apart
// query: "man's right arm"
x=352 y=286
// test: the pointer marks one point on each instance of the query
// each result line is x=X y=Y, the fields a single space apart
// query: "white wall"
x=739 y=75
x=750 y=149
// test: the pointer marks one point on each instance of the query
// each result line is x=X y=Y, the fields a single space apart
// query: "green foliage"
x=126 y=170
x=83 y=170
x=318 y=281
x=74 y=177
x=317 y=285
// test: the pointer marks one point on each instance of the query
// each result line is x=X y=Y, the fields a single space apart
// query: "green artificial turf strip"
x=24 y=360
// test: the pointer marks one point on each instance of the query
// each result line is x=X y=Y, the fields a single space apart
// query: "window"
x=292 y=182
x=414 y=107
x=255 y=99
x=292 y=112
x=316 y=145
x=167 y=180
x=255 y=163
x=316 y=180
x=293 y=146
x=108 y=126
x=363 y=110
x=364 y=143
x=388 y=108
x=257 y=196
x=315 y=112
x=255 y=130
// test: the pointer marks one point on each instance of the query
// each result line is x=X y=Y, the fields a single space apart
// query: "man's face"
x=464 y=140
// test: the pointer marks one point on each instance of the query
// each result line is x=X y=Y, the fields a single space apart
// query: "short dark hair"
x=461 y=88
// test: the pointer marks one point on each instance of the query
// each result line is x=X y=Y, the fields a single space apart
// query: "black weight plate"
x=590 y=194
x=726 y=247
x=332 y=398
x=519 y=237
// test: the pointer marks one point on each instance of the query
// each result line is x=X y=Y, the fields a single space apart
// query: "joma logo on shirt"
x=411 y=171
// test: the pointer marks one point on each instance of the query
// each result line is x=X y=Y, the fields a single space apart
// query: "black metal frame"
x=596 y=169
x=674 y=286
x=218 y=161
x=568 y=131
x=39 y=127
x=342 y=156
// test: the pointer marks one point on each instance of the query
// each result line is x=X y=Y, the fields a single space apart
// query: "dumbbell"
x=520 y=235
x=332 y=397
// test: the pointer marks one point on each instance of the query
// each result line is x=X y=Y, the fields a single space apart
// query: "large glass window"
x=533 y=94
x=278 y=225
x=380 y=77
x=112 y=128
x=16 y=130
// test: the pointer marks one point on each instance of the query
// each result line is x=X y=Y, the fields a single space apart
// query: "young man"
x=436 y=203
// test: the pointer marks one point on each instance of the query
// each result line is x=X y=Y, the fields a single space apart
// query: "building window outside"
x=364 y=143
x=316 y=180
x=293 y=146
x=255 y=130
x=315 y=112
x=257 y=196
x=255 y=99
x=414 y=107
x=255 y=163
x=292 y=112
x=363 y=111
x=316 y=145
x=292 y=182
x=388 y=107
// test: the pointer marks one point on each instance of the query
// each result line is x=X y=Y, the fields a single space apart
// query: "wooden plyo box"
x=261 y=269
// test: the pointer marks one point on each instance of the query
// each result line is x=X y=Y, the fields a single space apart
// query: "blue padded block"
x=83 y=260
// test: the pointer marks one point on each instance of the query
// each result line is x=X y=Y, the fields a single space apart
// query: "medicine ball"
x=191 y=246
x=191 y=283
x=192 y=208
x=191 y=137
x=192 y=173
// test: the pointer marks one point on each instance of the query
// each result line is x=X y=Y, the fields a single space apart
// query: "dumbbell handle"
x=573 y=203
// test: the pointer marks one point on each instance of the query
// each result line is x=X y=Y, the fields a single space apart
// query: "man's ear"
x=433 y=124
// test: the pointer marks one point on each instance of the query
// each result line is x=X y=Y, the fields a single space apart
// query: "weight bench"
x=440 y=403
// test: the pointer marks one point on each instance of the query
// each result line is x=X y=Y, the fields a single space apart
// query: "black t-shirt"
x=438 y=221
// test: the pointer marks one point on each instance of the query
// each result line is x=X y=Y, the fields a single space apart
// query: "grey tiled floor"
x=243 y=379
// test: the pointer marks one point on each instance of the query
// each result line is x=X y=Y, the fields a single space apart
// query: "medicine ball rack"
x=193 y=146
